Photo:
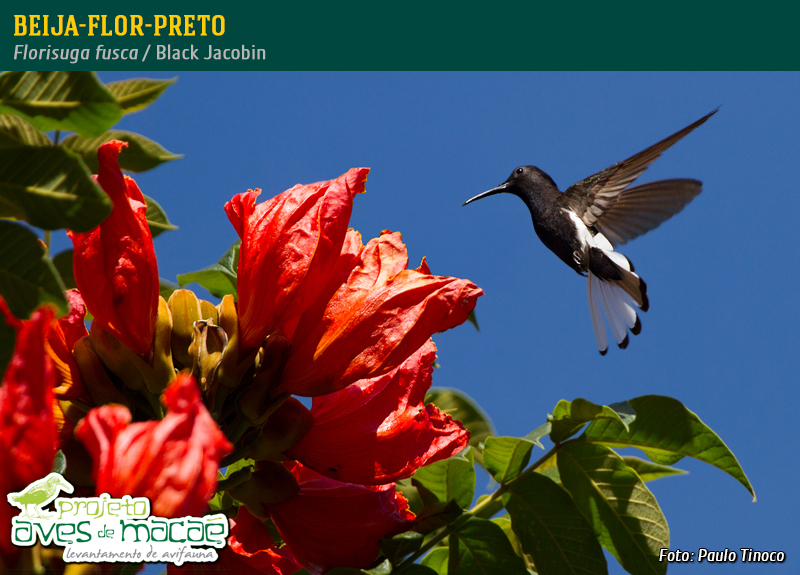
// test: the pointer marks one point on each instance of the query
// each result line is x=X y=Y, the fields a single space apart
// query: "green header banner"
x=396 y=36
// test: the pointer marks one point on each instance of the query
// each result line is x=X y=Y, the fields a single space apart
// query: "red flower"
x=250 y=551
x=289 y=246
x=10 y=318
x=174 y=461
x=27 y=430
x=59 y=345
x=379 y=316
x=60 y=341
x=115 y=263
x=331 y=524
x=378 y=430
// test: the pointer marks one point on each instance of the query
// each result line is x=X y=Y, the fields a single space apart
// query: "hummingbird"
x=584 y=224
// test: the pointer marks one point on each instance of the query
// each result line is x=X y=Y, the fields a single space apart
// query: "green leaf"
x=220 y=278
x=221 y=502
x=27 y=276
x=450 y=479
x=50 y=188
x=473 y=319
x=538 y=433
x=491 y=509
x=666 y=431
x=156 y=218
x=383 y=569
x=624 y=514
x=130 y=569
x=569 y=416
x=435 y=515
x=462 y=407
x=551 y=473
x=649 y=471
x=414 y=569
x=437 y=560
x=142 y=154
x=240 y=470
x=400 y=546
x=63 y=263
x=14 y=131
x=74 y=101
x=240 y=464
x=138 y=93
x=234 y=478
x=506 y=457
x=346 y=571
x=481 y=547
x=551 y=529
x=505 y=524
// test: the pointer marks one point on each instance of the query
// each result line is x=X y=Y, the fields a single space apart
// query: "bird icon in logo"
x=38 y=494
x=584 y=224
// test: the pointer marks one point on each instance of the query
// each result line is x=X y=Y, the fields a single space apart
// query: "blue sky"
x=722 y=331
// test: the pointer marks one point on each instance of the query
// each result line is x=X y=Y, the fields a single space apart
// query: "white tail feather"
x=613 y=315
x=627 y=313
x=593 y=290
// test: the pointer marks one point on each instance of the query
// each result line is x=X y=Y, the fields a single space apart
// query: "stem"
x=234 y=457
x=155 y=403
x=47 y=242
x=475 y=510
x=55 y=138
x=237 y=429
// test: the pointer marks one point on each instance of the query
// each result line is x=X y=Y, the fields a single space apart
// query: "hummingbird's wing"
x=620 y=213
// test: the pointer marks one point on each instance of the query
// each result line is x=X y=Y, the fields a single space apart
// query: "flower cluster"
x=317 y=314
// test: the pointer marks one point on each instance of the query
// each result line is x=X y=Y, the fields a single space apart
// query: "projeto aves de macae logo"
x=106 y=529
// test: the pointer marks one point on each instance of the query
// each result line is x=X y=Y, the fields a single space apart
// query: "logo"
x=106 y=529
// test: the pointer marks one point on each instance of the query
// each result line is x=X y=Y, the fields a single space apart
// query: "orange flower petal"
x=174 y=461
x=333 y=524
x=380 y=316
x=378 y=430
x=289 y=247
x=115 y=263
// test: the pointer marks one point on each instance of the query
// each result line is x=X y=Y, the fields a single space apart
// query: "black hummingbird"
x=583 y=225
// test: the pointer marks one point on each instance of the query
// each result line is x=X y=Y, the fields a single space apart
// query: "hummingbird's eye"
x=519 y=170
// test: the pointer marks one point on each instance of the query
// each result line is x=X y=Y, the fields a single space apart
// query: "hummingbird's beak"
x=499 y=189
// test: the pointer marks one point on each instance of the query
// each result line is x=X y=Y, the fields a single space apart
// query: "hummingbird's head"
x=523 y=178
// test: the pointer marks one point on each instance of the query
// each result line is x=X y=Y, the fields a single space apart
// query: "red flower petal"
x=381 y=315
x=115 y=263
x=60 y=341
x=9 y=317
x=378 y=430
x=332 y=524
x=250 y=551
x=289 y=247
x=27 y=429
x=174 y=461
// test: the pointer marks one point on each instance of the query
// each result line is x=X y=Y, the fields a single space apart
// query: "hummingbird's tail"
x=615 y=291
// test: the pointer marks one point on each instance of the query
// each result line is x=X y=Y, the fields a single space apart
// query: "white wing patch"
x=593 y=241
